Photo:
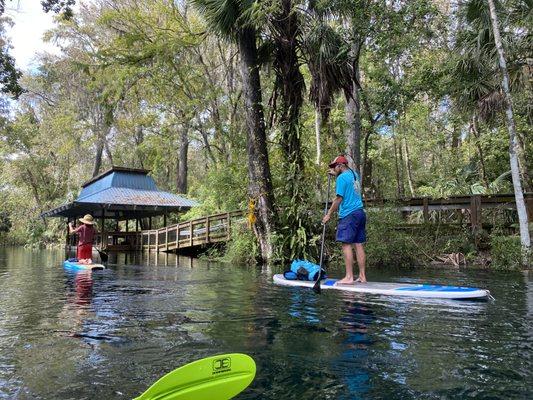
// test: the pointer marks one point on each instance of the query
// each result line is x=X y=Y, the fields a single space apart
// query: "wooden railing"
x=196 y=232
x=116 y=240
x=470 y=206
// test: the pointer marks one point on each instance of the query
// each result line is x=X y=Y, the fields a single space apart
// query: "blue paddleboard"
x=71 y=265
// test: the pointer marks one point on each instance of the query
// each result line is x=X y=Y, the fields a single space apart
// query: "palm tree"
x=513 y=145
x=327 y=58
x=285 y=31
x=479 y=90
x=231 y=19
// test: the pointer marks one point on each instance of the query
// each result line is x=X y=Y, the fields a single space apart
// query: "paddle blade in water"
x=214 y=378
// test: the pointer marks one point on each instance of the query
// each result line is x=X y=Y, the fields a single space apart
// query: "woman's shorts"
x=352 y=228
x=85 y=251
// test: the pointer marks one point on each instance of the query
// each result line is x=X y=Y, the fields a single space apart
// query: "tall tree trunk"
x=513 y=145
x=318 y=128
x=366 y=168
x=207 y=144
x=399 y=178
x=290 y=83
x=108 y=152
x=34 y=188
x=353 y=113
x=102 y=123
x=139 y=139
x=455 y=137
x=98 y=156
x=523 y=163
x=260 y=188
x=182 y=164
x=408 y=168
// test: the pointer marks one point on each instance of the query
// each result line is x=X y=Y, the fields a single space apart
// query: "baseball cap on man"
x=338 y=160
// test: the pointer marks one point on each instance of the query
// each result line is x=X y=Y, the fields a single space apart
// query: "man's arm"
x=334 y=207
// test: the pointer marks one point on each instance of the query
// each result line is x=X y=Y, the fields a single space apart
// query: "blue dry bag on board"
x=302 y=270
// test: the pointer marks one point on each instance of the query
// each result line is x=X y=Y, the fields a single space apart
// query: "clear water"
x=110 y=334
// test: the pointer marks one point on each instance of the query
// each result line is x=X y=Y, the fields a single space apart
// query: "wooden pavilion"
x=121 y=194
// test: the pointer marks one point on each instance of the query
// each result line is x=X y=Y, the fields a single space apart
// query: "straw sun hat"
x=87 y=219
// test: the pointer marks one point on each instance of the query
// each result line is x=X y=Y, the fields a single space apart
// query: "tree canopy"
x=243 y=103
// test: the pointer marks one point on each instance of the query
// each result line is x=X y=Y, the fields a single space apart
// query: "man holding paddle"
x=352 y=218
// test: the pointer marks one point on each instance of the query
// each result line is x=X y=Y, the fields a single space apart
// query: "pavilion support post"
x=149 y=223
x=149 y=238
x=157 y=240
x=136 y=224
x=165 y=219
x=190 y=233
x=127 y=225
x=207 y=229
x=117 y=229
x=67 y=243
x=103 y=241
x=426 y=209
x=475 y=212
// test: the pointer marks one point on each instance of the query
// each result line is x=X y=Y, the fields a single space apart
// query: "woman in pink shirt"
x=86 y=234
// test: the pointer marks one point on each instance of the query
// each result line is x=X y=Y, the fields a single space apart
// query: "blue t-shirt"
x=350 y=191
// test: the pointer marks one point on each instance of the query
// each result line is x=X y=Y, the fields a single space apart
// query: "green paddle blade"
x=213 y=378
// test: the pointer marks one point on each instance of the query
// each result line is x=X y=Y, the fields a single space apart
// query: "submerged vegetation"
x=242 y=104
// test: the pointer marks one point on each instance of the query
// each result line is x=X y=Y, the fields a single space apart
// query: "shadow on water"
x=110 y=334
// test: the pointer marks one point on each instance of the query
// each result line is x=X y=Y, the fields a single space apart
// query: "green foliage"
x=386 y=245
x=9 y=74
x=506 y=253
x=242 y=247
x=219 y=190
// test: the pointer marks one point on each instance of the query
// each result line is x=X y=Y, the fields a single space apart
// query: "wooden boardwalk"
x=458 y=210
x=467 y=208
x=197 y=232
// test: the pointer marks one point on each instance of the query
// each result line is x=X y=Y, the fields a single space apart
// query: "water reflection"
x=354 y=324
x=83 y=284
x=77 y=308
x=91 y=335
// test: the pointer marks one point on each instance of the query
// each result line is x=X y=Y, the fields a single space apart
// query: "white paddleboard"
x=394 y=289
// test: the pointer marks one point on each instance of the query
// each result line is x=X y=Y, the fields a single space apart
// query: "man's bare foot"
x=361 y=280
x=344 y=281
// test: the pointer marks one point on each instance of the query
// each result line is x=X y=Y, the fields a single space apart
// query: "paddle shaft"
x=324 y=225
x=103 y=256
x=316 y=286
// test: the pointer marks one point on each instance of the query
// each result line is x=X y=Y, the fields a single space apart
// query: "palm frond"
x=222 y=16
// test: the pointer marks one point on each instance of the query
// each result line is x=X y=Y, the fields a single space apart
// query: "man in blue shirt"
x=352 y=218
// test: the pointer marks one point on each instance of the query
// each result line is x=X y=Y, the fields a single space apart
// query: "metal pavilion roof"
x=122 y=193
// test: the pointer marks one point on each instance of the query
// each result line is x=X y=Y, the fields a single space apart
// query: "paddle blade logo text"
x=221 y=365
